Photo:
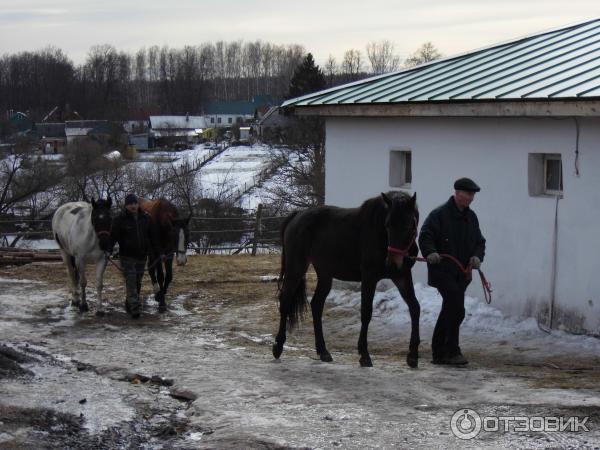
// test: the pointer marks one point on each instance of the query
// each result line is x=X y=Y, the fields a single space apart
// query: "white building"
x=523 y=120
x=170 y=130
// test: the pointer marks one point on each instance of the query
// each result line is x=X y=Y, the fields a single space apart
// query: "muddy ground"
x=202 y=374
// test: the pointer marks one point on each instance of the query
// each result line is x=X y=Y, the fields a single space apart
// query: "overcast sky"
x=323 y=27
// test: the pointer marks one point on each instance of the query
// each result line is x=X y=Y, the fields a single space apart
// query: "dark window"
x=400 y=168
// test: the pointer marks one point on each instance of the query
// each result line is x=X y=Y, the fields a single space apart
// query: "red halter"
x=404 y=252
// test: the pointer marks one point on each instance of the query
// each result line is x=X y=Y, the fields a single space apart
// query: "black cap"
x=466 y=184
x=131 y=199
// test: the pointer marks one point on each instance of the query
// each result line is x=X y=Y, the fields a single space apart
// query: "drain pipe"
x=554 y=264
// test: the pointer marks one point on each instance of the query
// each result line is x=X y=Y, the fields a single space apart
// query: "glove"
x=475 y=262
x=434 y=258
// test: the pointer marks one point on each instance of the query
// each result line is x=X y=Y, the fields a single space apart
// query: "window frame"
x=400 y=159
x=553 y=157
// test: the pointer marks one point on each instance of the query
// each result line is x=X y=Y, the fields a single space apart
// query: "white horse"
x=83 y=235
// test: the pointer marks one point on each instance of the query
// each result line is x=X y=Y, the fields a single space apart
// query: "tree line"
x=116 y=85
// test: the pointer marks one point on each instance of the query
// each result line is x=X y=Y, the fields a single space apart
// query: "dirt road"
x=202 y=375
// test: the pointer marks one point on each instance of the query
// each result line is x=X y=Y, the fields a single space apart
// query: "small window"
x=400 y=168
x=229 y=120
x=212 y=120
x=545 y=174
x=218 y=120
x=238 y=119
x=553 y=183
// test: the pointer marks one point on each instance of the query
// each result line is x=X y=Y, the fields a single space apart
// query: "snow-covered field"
x=231 y=173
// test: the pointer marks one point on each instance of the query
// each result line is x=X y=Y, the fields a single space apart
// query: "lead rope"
x=154 y=263
x=485 y=284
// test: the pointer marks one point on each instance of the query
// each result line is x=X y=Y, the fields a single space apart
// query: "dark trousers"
x=445 y=341
x=133 y=271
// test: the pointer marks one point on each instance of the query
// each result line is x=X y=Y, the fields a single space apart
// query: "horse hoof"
x=277 y=350
x=162 y=308
x=412 y=361
x=325 y=357
x=84 y=307
x=365 y=361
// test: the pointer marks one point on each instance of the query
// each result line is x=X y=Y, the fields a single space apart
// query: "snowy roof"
x=50 y=129
x=177 y=122
x=176 y=133
x=553 y=65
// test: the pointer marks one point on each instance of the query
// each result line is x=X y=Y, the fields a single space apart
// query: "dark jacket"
x=454 y=232
x=134 y=234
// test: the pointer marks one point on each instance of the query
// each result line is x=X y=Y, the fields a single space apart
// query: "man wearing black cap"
x=133 y=231
x=451 y=229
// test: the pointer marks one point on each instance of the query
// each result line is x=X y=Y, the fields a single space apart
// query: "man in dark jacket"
x=133 y=232
x=451 y=229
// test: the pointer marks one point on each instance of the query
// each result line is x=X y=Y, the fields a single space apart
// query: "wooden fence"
x=251 y=234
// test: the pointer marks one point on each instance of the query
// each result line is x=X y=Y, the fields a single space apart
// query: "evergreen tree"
x=307 y=78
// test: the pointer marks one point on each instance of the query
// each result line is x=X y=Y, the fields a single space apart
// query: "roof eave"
x=589 y=107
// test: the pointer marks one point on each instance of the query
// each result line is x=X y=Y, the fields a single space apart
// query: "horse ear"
x=387 y=200
x=413 y=200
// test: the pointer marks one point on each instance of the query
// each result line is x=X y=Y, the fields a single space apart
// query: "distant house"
x=521 y=118
x=175 y=130
x=221 y=114
x=245 y=133
x=19 y=122
x=52 y=137
x=80 y=129
x=274 y=122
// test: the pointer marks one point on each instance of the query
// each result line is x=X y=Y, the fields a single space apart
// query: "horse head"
x=101 y=221
x=181 y=235
x=401 y=220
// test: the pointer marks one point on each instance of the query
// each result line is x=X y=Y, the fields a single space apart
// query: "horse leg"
x=407 y=290
x=284 y=305
x=367 y=291
x=160 y=295
x=80 y=264
x=162 y=306
x=100 y=268
x=317 y=303
x=73 y=278
x=292 y=298
x=152 y=273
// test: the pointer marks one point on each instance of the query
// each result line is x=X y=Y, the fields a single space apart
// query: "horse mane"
x=374 y=209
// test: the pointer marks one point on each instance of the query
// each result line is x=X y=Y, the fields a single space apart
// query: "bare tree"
x=330 y=69
x=425 y=53
x=23 y=174
x=352 y=63
x=381 y=56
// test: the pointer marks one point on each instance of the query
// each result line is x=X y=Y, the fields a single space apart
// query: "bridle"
x=404 y=251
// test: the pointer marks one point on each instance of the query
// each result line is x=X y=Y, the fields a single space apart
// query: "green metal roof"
x=558 y=64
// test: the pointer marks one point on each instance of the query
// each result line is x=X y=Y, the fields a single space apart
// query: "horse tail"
x=284 y=225
x=296 y=302
x=291 y=284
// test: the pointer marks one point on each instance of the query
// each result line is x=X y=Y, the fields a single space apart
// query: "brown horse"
x=173 y=235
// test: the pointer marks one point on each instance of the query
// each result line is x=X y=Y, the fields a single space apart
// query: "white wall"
x=518 y=228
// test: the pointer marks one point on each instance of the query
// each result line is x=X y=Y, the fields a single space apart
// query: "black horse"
x=173 y=235
x=362 y=244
